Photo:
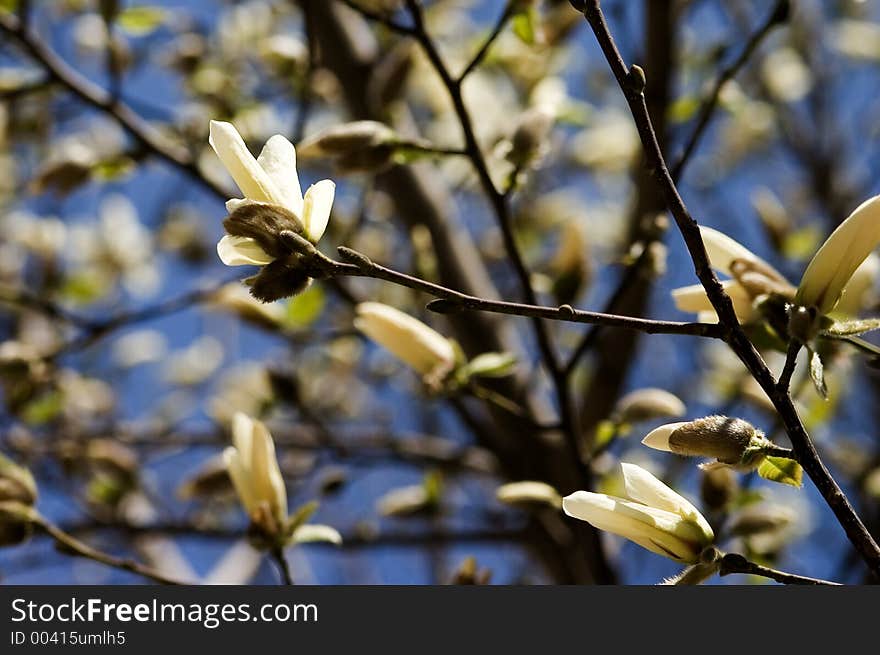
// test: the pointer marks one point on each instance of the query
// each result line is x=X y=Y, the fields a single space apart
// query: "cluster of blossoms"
x=651 y=514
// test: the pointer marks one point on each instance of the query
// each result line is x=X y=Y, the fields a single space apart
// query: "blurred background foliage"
x=126 y=346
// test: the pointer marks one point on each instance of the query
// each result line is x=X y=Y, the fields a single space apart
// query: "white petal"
x=853 y=300
x=842 y=253
x=651 y=529
x=266 y=474
x=643 y=487
x=237 y=203
x=241 y=479
x=409 y=339
x=250 y=177
x=723 y=251
x=658 y=439
x=278 y=159
x=316 y=208
x=243 y=435
x=241 y=251
x=528 y=491
x=693 y=299
x=314 y=532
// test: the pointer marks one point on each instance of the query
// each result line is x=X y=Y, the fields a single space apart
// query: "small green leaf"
x=140 y=21
x=491 y=365
x=524 y=25
x=683 y=109
x=43 y=409
x=781 y=470
x=605 y=433
x=817 y=373
x=300 y=515
x=433 y=485
x=304 y=309
x=851 y=328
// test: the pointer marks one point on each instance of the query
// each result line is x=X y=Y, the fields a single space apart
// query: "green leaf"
x=491 y=365
x=851 y=328
x=605 y=433
x=433 y=485
x=524 y=25
x=8 y=5
x=304 y=309
x=43 y=409
x=300 y=515
x=781 y=470
x=817 y=374
x=83 y=287
x=683 y=109
x=140 y=21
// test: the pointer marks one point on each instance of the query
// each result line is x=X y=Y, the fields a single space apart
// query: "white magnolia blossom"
x=724 y=253
x=835 y=280
x=835 y=263
x=653 y=516
x=421 y=347
x=255 y=473
x=269 y=179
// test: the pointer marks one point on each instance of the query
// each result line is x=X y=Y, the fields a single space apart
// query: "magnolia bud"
x=648 y=404
x=16 y=483
x=718 y=486
x=529 y=493
x=725 y=439
x=360 y=145
x=528 y=140
x=16 y=521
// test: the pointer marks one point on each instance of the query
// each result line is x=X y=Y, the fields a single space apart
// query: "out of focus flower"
x=652 y=515
x=424 y=349
x=255 y=473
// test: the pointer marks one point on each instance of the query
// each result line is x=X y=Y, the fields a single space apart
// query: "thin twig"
x=70 y=544
x=283 y=565
x=487 y=44
x=777 y=16
x=794 y=347
x=452 y=301
x=734 y=563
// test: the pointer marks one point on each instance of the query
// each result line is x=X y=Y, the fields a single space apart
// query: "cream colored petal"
x=658 y=439
x=723 y=251
x=409 y=339
x=651 y=529
x=241 y=480
x=312 y=532
x=842 y=253
x=241 y=251
x=855 y=294
x=266 y=474
x=278 y=159
x=528 y=491
x=316 y=208
x=693 y=299
x=641 y=486
x=243 y=436
x=250 y=177
x=237 y=203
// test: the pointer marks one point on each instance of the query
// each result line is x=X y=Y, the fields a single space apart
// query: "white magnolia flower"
x=843 y=263
x=254 y=470
x=750 y=275
x=269 y=179
x=421 y=347
x=653 y=516
x=833 y=265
